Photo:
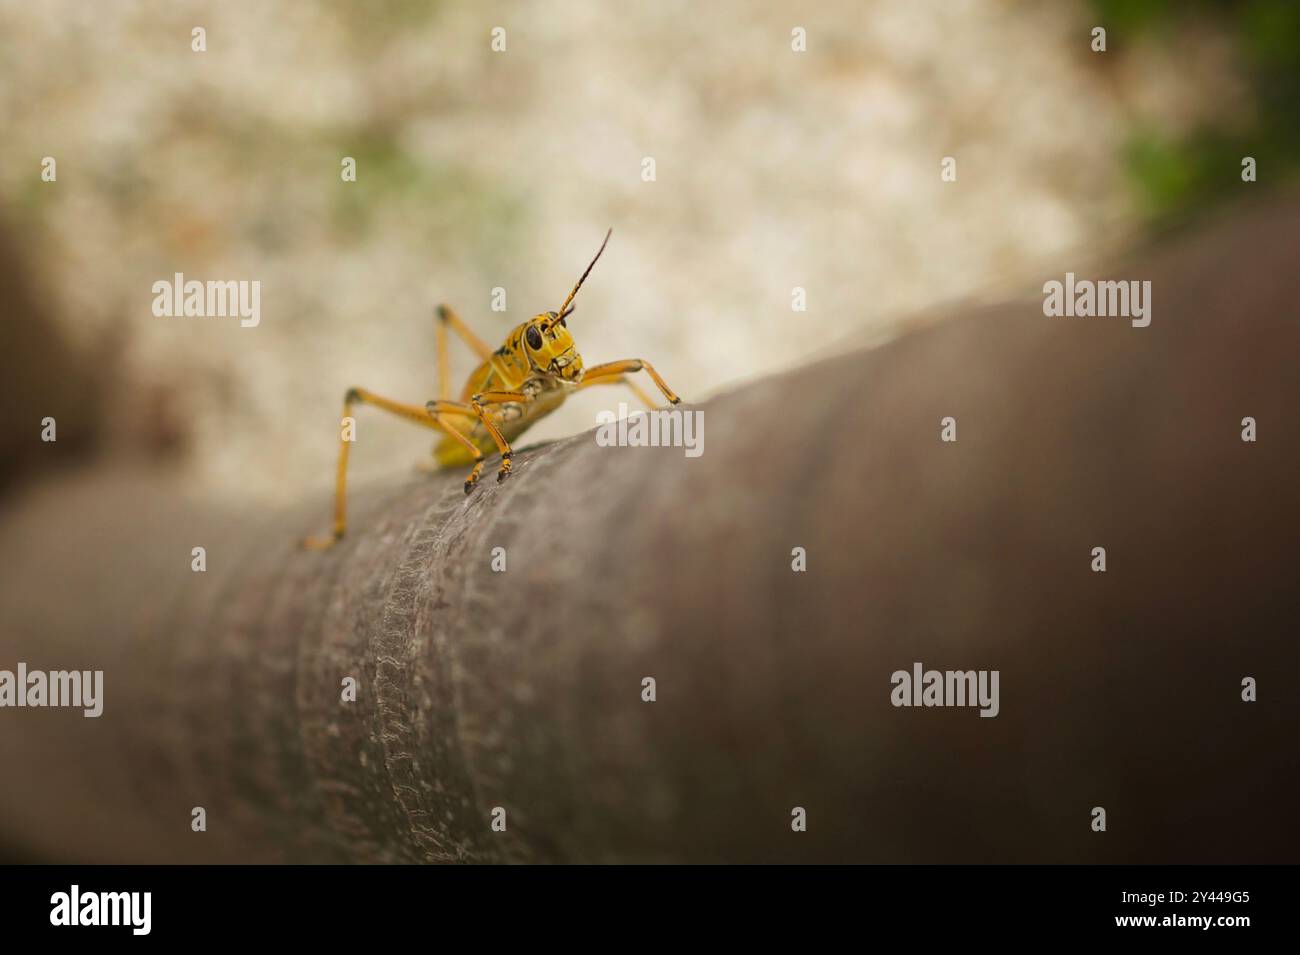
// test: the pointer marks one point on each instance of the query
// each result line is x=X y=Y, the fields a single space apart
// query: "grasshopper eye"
x=534 y=337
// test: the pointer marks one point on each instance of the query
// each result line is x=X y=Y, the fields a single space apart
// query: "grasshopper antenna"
x=564 y=309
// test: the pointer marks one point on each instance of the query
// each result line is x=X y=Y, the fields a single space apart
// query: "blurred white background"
x=479 y=169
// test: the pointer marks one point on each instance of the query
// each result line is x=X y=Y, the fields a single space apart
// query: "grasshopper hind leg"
x=411 y=413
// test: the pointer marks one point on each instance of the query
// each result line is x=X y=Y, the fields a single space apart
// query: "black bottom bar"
x=333 y=904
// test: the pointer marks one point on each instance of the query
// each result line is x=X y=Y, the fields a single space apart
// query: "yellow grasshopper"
x=513 y=388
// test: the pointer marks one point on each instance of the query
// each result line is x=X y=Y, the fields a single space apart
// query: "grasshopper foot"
x=472 y=480
x=321 y=543
x=505 y=466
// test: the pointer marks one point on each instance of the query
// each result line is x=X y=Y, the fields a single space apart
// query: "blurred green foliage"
x=1177 y=176
x=447 y=198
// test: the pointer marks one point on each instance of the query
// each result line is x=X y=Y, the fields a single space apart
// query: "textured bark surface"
x=522 y=689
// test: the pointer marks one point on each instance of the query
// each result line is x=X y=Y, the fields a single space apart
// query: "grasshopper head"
x=550 y=346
